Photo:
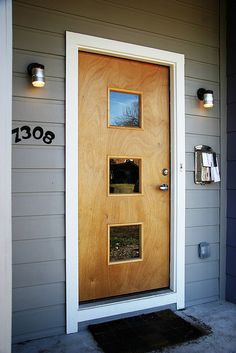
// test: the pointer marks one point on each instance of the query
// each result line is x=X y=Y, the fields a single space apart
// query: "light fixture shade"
x=208 y=101
x=206 y=96
x=36 y=71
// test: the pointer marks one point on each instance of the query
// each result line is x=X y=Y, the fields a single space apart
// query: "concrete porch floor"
x=220 y=316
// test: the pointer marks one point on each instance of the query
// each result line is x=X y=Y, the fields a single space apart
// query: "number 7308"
x=25 y=132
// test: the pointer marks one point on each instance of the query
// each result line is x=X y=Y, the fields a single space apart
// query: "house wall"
x=184 y=26
x=231 y=170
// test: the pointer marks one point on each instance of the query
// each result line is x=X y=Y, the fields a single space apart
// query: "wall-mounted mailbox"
x=206 y=165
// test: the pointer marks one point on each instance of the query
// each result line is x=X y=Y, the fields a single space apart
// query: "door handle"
x=164 y=187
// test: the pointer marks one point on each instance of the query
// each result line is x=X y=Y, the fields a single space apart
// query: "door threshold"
x=119 y=306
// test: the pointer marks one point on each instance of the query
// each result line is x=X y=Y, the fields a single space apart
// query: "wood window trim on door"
x=76 y=313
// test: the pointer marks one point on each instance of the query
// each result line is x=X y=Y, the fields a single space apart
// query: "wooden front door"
x=124 y=148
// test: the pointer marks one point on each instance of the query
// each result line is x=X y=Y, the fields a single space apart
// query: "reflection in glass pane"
x=125 y=242
x=124 y=175
x=125 y=109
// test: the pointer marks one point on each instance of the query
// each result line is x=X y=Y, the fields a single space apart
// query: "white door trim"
x=76 y=313
x=5 y=175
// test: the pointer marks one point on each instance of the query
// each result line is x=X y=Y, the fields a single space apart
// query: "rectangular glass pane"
x=125 y=243
x=124 y=175
x=125 y=109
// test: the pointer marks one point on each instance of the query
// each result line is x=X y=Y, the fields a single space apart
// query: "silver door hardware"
x=164 y=187
x=165 y=171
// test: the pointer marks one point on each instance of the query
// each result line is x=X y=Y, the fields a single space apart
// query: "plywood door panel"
x=98 y=209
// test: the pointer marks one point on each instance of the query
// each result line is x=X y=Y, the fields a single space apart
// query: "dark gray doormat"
x=146 y=333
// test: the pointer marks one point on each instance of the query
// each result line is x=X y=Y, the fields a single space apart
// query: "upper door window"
x=125 y=109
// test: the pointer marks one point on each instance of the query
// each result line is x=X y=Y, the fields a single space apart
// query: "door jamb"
x=74 y=312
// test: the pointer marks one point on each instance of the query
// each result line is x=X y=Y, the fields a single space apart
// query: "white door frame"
x=76 y=313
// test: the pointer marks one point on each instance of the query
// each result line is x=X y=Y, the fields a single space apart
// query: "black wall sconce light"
x=206 y=96
x=36 y=71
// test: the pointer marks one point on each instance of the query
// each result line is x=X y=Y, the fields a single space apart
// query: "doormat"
x=146 y=333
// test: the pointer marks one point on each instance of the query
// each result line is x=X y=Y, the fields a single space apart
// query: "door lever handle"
x=164 y=187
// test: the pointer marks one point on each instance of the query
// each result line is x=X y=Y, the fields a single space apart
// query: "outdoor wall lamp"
x=206 y=96
x=36 y=71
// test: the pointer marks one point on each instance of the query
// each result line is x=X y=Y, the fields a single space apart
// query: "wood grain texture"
x=96 y=210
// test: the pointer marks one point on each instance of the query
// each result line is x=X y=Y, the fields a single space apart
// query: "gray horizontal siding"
x=196 y=125
x=54 y=43
x=196 y=235
x=49 y=332
x=41 y=204
x=202 y=289
x=43 y=319
x=203 y=71
x=202 y=198
x=191 y=254
x=202 y=271
x=36 y=227
x=38 y=273
x=188 y=10
x=194 y=140
x=56 y=22
x=38 y=296
x=202 y=217
x=38 y=169
x=38 y=250
x=40 y=180
x=33 y=110
x=37 y=157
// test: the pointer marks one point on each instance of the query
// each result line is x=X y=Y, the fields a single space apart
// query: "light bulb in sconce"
x=206 y=96
x=36 y=71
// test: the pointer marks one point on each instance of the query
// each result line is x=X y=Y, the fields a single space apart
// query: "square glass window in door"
x=125 y=242
x=125 y=109
x=125 y=175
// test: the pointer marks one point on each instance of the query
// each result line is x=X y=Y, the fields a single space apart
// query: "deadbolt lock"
x=165 y=171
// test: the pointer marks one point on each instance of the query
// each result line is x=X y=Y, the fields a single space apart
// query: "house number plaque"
x=25 y=132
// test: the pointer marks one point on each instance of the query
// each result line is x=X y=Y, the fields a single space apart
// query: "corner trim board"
x=5 y=176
